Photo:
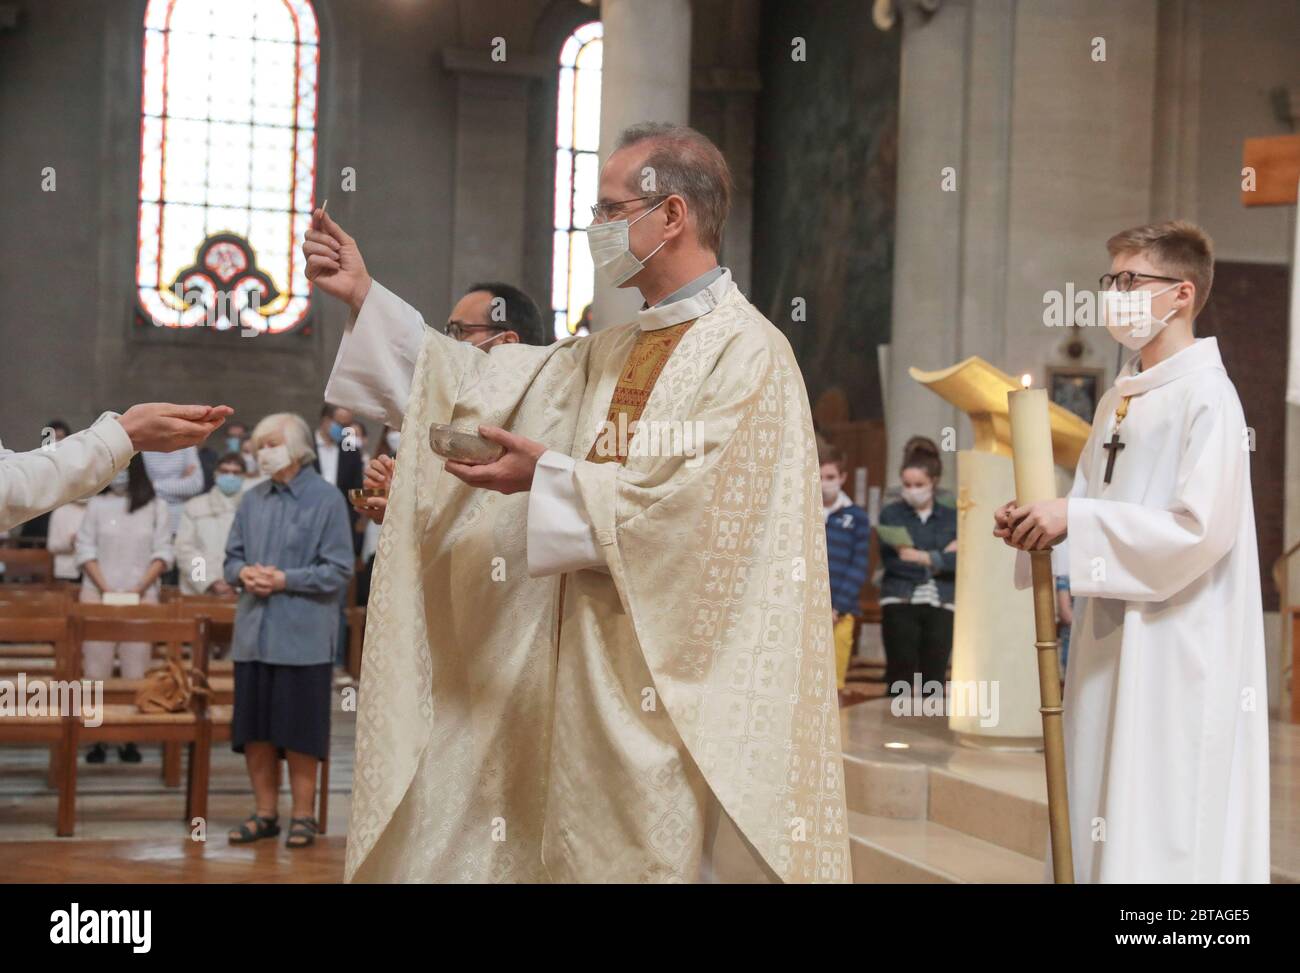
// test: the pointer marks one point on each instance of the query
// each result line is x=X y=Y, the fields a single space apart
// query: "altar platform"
x=925 y=808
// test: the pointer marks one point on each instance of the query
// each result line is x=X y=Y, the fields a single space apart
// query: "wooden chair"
x=119 y=691
x=221 y=612
x=27 y=564
x=54 y=730
x=34 y=659
x=123 y=722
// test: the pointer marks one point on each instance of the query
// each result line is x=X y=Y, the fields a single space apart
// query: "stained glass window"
x=577 y=141
x=227 y=162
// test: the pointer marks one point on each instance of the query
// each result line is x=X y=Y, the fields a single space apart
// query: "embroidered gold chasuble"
x=619 y=725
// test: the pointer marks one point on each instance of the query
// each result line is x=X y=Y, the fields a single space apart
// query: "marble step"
x=892 y=784
x=916 y=850
x=1011 y=818
x=883 y=784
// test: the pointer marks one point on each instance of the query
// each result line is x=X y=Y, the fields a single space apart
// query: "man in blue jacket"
x=848 y=538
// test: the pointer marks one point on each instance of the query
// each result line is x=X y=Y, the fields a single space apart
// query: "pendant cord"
x=1121 y=410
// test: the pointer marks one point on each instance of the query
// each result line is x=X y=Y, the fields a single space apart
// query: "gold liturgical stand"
x=995 y=681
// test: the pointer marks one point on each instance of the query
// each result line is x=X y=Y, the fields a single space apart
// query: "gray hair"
x=296 y=432
x=687 y=164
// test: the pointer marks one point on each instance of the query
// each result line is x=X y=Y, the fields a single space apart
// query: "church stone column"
x=645 y=77
x=927 y=239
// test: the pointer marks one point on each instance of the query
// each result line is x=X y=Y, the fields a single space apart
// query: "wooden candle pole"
x=1031 y=445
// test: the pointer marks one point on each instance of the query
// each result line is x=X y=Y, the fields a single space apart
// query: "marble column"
x=645 y=77
x=927 y=241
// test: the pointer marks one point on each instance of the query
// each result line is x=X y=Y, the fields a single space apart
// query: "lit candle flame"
x=1026 y=380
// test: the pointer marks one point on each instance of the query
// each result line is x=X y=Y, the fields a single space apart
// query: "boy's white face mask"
x=1127 y=316
x=611 y=252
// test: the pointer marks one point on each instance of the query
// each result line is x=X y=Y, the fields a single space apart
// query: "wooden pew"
x=36 y=660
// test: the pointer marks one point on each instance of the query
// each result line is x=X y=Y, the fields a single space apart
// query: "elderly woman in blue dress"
x=290 y=551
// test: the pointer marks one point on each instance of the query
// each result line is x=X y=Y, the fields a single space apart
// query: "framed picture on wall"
x=1076 y=389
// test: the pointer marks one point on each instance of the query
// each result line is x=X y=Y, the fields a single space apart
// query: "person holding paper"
x=1166 y=723
x=918 y=548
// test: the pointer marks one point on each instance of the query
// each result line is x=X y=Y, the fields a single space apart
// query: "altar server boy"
x=1166 y=727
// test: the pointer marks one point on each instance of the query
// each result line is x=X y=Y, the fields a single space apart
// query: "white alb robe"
x=1166 y=703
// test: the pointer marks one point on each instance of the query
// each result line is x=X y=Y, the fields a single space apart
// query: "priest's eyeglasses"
x=1125 y=280
x=601 y=212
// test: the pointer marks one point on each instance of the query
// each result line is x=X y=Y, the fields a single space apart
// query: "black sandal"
x=302 y=833
x=262 y=827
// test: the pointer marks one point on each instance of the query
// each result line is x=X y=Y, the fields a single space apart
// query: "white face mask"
x=917 y=497
x=610 y=250
x=830 y=492
x=1127 y=316
x=272 y=459
x=393 y=438
x=482 y=343
x=121 y=480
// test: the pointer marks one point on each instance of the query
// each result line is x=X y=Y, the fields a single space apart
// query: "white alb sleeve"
x=76 y=466
x=375 y=365
x=560 y=535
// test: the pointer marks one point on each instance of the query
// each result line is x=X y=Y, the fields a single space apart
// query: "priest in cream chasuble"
x=625 y=673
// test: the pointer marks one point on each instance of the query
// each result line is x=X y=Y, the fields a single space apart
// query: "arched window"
x=577 y=141
x=227 y=162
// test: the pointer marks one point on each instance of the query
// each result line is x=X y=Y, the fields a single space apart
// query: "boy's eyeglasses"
x=1126 y=279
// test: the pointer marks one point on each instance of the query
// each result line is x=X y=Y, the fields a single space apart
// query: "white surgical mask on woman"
x=918 y=496
x=611 y=250
x=272 y=459
x=1127 y=316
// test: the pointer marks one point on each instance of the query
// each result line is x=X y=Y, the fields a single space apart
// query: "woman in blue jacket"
x=916 y=592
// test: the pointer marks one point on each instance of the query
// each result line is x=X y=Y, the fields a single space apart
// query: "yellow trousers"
x=843 y=648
